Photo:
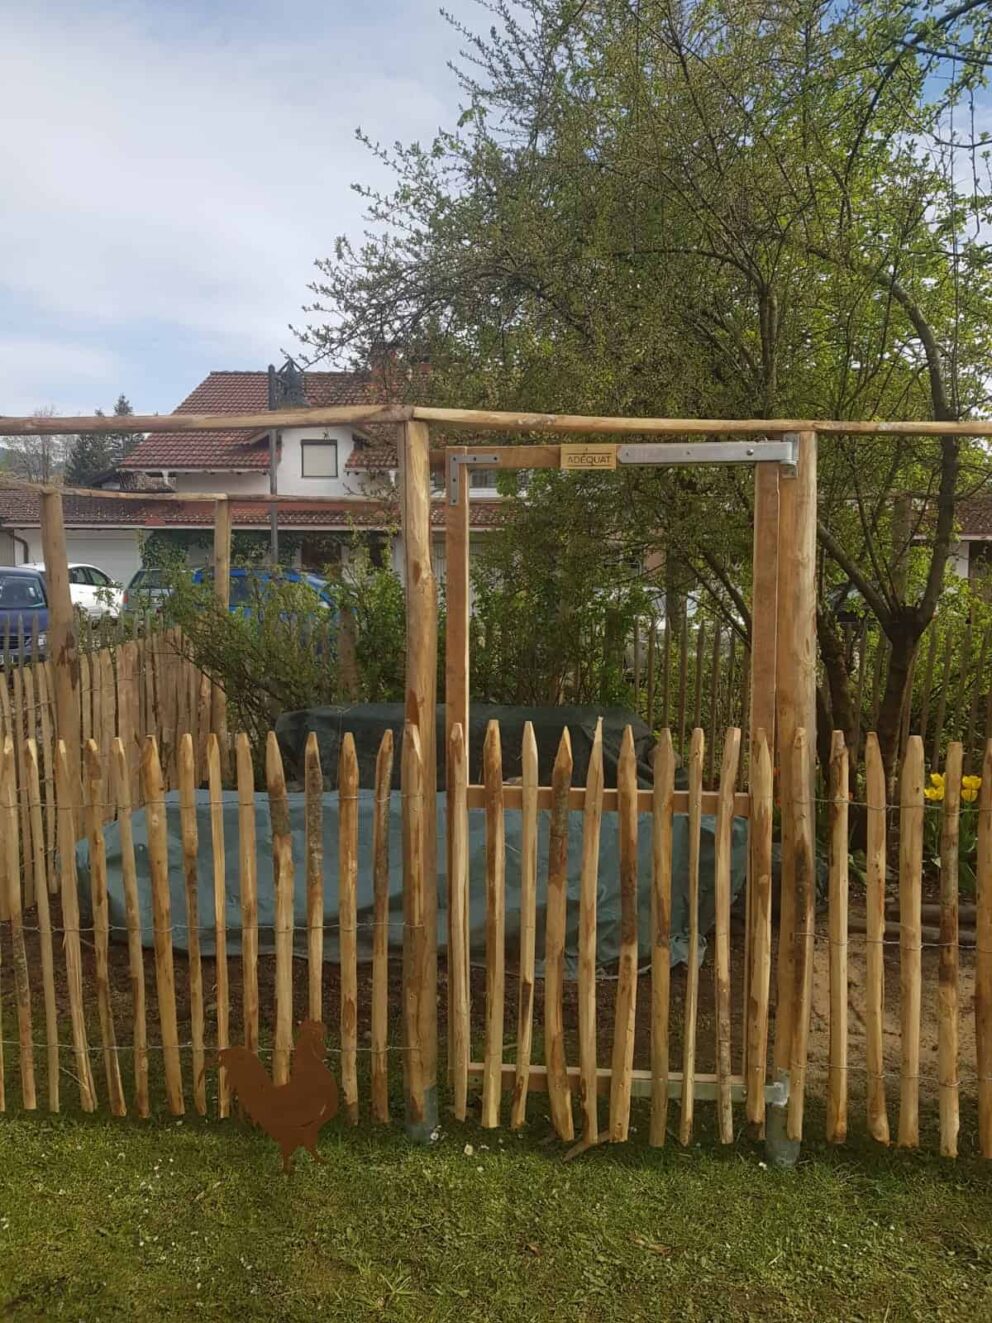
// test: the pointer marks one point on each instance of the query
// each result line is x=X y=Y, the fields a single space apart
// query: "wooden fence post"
x=158 y=865
x=661 y=931
x=282 y=863
x=696 y=753
x=72 y=945
x=528 y=926
x=760 y=930
x=458 y=1008
x=420 y=1122
x=761 y=684
x=795 y=704
x=947 y=989
x=910 y=939
x=222 y=588
x=421 y=706
x=556 y=909
x=721 y=944
x=878 y=1121
x=348 y=923
x=456 y=687
x=837 y=1078
x=63 y=645
x=802 y=846
x=380 y=932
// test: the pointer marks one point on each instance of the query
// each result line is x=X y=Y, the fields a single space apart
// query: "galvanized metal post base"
x=424 y=1130
x=780 y=1150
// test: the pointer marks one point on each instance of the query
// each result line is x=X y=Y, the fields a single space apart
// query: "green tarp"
x=608 y=914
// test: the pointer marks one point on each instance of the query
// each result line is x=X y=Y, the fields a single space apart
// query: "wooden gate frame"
x=782 y=660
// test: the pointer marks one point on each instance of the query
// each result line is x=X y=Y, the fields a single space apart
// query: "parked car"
x=23 y=613
x=248 y=585
x=93 y=592
x=147 y=590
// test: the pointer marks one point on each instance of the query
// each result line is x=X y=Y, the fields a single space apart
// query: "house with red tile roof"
x=345 y=477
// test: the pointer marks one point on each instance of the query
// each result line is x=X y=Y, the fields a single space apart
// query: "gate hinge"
x=484 y=461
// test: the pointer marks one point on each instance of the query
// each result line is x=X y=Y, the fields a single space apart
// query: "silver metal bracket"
x=486 y=461
x=784 y=451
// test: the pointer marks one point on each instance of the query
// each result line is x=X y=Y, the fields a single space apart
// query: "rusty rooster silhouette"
x=293 y=1113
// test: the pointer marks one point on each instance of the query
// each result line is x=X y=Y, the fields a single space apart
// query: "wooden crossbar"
x=704 y=1086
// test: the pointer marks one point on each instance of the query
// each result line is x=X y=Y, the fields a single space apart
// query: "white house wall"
x=289 y=477
x=233 y=484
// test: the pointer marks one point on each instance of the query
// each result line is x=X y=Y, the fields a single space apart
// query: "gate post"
x=222 y=591
x=420 y=949
x=763 y=689
x=63 y=646
x=795 y=710
x=456 y=668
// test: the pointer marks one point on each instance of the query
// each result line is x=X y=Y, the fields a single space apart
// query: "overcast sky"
x=171 y=170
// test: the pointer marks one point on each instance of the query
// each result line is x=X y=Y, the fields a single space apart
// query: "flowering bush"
x=934 y=793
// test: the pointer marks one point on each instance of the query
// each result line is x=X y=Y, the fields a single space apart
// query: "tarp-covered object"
x=367 y=722
x=608 y=916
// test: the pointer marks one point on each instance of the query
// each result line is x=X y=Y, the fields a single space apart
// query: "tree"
x=89 y=457
x=716 y=210
x=93 y=454
x=122 y=443
x=39 y=458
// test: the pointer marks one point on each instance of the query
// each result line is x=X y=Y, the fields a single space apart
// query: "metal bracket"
x=777 y=1090
x=784 y=451
x=487 y=461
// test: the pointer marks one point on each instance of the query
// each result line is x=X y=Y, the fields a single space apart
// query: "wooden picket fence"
x=181 y=1026
x=130 y=688
x=620 y=1080
x=88 y=986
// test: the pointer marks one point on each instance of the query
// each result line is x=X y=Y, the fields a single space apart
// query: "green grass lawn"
x=102 y=1219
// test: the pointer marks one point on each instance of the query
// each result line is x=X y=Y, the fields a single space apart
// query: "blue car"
x=248 y=585
x=23 y=614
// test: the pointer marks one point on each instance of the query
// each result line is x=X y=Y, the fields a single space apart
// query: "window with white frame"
x=319 y=459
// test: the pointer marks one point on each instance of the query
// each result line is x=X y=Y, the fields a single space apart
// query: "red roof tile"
x=975 y=517
x=244 y=392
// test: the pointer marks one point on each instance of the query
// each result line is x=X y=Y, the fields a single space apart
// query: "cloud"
x=30 y=368
x=184 y=168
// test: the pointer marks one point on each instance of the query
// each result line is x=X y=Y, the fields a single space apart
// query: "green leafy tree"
x=712 y=210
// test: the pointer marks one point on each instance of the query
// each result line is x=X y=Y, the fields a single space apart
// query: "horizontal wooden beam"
x=40 y=488
x=508 y=457
x=261 y=499
x=332 y=416
x=569 y=422
x=513 y=799
x=483 y=421
x=705 y=1089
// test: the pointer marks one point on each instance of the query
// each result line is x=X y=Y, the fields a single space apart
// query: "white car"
x=93 y=593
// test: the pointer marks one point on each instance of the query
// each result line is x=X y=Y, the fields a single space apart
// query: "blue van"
x=23 y=613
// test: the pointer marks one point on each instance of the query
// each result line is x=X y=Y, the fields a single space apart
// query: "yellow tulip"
x=937 y=779
x=969 y=794
x=971 y=782
x=933 y=792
